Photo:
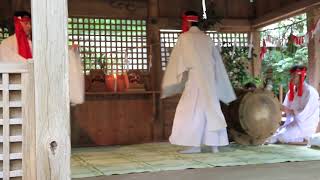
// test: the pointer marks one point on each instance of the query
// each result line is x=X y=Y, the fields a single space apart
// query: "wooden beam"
x=154 y=51
x=234 y=25
x=227 y=25
x=285 y=12
x=50 y=54
x=313 y=50
x=107 y=8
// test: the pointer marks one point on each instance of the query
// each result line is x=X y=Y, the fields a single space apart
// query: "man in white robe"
x=10 y=52
x=198 y=119
x=301 y=106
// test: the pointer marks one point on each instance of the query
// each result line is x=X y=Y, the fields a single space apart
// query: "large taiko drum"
x=253 y=117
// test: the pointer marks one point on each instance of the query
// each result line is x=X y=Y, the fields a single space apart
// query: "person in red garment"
x=18 y=47
x=301 y=106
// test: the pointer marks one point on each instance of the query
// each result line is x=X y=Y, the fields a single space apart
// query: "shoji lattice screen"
x=4 y=33
x=169 y=38
x=109 y=40
x=229 y=39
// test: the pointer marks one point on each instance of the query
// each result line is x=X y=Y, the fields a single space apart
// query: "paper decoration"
x=263 y=50
x=204 y=9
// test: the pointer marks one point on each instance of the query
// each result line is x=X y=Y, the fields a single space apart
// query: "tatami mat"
x=90 y=162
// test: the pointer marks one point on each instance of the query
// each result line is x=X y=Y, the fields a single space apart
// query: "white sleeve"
x=172 y=79
x=309 y=105
x=76 y=78
x=225 y=90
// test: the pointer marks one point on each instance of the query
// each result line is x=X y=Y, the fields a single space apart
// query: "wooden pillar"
x=154 y=50
x=50 y=54
x=154 y=40
x=314 y=50
x=256 y=61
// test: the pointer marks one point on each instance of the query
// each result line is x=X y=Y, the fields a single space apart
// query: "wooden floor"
x=282 y=171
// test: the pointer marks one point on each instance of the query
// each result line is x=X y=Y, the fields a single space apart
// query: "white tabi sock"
x=214 y=149
x=272 y=140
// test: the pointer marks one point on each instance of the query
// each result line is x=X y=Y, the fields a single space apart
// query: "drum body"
x=253 y=117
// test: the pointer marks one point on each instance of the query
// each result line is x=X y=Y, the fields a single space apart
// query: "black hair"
x=250 y=85
x=297 y=67
x=22 y=14
x=192 y=13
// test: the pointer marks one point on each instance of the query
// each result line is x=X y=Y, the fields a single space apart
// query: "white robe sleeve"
x=76 y=78
x=309 y=105
x=289 y=117
x=9 y=51
x=172 y=80
x=286 y=100
x=225 y=90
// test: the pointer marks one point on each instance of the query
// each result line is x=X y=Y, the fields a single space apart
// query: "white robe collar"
x=194 y=29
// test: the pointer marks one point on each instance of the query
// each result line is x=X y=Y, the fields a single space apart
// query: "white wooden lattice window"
x=15 y=148
x=168 y=39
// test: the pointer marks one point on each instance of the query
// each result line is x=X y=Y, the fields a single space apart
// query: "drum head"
x=259 y=114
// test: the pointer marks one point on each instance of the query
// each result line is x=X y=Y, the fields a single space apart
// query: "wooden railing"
x=17 y=122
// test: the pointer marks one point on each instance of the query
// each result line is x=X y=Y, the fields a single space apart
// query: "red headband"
x=298 y=71
x=186 y=19
x=302 y=72
x=23 y=44
x=190 y=18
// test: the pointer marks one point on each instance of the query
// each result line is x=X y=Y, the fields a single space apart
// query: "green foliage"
x=237 y=67
x=280 y=59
